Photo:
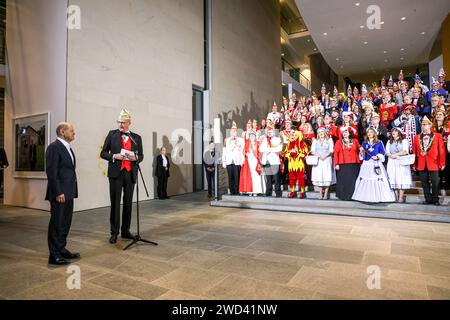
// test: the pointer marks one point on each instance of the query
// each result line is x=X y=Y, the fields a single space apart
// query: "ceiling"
x=339 y=29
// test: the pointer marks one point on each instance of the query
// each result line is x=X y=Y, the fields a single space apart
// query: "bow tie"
x=125 y=134
x=426 y=134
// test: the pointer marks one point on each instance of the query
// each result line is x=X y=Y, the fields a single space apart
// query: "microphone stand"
x=137 y=237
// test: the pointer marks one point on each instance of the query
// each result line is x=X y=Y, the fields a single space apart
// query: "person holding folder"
x=123 y=151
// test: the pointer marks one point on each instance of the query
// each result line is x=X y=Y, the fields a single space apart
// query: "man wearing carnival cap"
x=233 y=158
x=390 y=83
x=420 y=103
x=364 y=95
x=366 y=118
x=381 y=130
x=270 y=149
x=408 y=122
x=435 y=90
x=123 y=151
x=418 y=83
x=441 y=79
x=275 y=116
x=430 y=158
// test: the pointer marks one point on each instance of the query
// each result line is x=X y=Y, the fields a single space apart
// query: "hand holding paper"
x=129 y=155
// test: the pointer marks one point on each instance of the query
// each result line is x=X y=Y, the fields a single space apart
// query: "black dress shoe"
x=58 y=261
x=69 y=255
x=127 y=235
x=113 y=239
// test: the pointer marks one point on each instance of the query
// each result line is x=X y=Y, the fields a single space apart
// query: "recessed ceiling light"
x=423 y=32
x=337 y=59
x=402 y=49
x=385 y=60
x=325 y=33
x=365 y=42
x=357 y=4
x=401 y=58
x=384 y=51
x=315 y=49
x=403 y=18
x=308 y=40
x=362 y=27
x=382 y=22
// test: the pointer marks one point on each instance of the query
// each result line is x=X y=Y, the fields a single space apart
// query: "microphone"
x=132 y=140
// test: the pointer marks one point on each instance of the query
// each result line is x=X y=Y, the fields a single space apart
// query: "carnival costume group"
x=367 y=144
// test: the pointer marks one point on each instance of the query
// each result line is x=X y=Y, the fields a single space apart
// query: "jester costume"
x=296 y=151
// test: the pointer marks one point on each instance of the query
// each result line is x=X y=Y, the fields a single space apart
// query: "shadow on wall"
x=241 y=115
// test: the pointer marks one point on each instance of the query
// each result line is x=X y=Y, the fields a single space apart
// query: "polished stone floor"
x=220 y=253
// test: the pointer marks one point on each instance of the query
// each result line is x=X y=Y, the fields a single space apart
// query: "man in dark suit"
x=61 y=191
x=381 y=130
x=162 y=172
x=211 y=157
x=3 y=164
x=123 y=151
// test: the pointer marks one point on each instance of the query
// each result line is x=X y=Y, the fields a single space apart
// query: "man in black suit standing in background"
x=61 y=191
x=123 y=151
x=211 y=158
x=3 y=165
x=162 y=173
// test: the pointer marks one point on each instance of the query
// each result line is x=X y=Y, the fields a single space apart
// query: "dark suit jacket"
x=422 y=108
x=60 y=171
x=3 y=158
x=159 y=166
x=382 y=133
x=113 y=145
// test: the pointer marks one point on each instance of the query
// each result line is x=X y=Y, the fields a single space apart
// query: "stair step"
x=410 y=198
x=417 y=212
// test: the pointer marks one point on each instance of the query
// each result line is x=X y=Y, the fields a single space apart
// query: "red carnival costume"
x=388 y=112
x=296 y=151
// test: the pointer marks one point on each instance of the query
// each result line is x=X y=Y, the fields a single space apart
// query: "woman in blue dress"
x=372 y=184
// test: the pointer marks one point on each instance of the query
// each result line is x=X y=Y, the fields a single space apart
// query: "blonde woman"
x=323 y=174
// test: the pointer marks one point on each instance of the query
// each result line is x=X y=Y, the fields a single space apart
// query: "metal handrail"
x=295 y=73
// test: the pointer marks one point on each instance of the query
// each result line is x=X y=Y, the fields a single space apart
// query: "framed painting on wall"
x=31 y=138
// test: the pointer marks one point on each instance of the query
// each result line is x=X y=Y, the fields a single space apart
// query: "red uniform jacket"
x=435 y=156
x=342 y=155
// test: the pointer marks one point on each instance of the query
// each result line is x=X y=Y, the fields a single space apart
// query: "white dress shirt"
x=67 y=145
x=164 y=160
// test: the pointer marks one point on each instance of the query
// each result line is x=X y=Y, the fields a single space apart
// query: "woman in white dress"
x=399 y=175
x=323 y=174
x=372 y=184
